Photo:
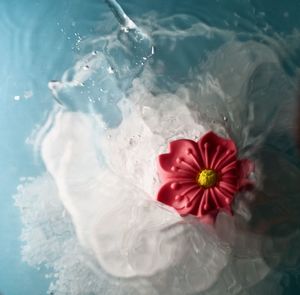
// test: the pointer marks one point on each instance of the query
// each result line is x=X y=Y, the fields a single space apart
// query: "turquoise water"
x=40 y=40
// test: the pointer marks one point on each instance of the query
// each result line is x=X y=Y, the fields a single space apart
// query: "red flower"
x=201 y=178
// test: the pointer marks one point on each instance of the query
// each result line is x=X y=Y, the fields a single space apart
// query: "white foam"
x=129 y=233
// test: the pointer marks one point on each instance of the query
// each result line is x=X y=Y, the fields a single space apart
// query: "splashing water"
x=92 y=218
x=99 y=80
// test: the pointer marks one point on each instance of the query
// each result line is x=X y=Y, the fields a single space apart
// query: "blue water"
x=41 y=39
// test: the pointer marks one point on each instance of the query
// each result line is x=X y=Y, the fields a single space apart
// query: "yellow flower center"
x=207 y=178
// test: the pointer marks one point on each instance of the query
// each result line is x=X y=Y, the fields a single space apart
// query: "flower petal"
x=224 y=196
x=212 y=202
x=229 y=167
x=222 y=203
x=215 y=150
x=181 y=162
x=184 y=197
x=207 y=211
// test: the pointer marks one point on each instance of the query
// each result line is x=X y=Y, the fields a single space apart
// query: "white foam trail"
x=129 y=234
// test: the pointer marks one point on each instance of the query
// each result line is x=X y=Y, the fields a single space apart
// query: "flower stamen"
x=207 y=178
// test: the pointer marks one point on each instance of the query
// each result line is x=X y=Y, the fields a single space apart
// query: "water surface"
x=187 y=68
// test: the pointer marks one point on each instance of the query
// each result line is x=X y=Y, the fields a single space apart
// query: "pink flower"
x=201 y=178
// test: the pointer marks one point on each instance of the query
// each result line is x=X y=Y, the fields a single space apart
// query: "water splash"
x=122 y=18
x=99 y=80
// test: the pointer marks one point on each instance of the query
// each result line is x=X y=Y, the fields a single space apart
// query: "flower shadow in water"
x=275 y=210
x=275 y=204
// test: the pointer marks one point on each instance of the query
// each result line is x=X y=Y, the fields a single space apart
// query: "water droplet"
x=152 y=50
x=54 y=85
x=110 y=70
x=17 y=97
x=125 y=29
x=86 y=67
